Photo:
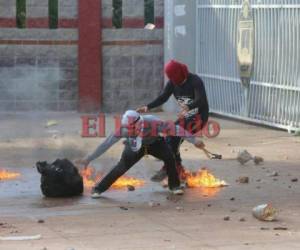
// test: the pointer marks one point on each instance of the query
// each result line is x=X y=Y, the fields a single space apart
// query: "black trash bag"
x=60 y=179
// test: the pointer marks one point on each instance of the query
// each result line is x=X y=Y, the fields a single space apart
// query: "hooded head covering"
x=130 y=117
x=177 y=72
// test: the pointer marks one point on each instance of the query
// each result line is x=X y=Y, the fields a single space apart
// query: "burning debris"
x=7 y=175
x=91 y=177
x=203 y=178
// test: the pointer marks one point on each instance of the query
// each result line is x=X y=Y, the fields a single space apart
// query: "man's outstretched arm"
x=161 y=99
x=102 y=148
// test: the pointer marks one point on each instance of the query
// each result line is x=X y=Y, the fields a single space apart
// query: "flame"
x=6 y=175
x=203 y=178
x=91 y=177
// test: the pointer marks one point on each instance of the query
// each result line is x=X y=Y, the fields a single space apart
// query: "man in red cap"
x=189 y=91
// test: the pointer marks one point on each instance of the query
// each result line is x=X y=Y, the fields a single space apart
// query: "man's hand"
x=184 y=110
x=143 y=109
x=199 y=144
x=184 y=107
x=182 y=114
x=82 y=162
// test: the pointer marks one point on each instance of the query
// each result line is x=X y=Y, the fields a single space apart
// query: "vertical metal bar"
x=53 y=13
x=297 y=75
x=21 y=13
x=270 y=68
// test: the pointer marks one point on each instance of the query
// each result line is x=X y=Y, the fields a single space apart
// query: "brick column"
x=90 y=55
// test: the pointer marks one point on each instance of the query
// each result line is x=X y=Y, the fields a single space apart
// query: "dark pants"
x=158 y=149
x=193 y=125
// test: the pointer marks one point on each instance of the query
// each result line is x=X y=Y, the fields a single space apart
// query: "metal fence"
x=274 y=94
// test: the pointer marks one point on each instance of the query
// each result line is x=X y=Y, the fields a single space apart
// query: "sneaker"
x=160 y=175
x=96 y=194
x=177 y=191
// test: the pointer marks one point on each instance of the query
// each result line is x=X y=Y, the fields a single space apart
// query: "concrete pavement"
x=125 y=220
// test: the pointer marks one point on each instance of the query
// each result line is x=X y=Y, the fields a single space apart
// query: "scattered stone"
x=280 y=228
x=242 y=219
x=294 y=180
x=243 y=157
x=258 y=180
x=51 y=123
x=232 y=199
x=6 y=225
x=173 y=198
x=226 y=218
x=273 y=174
x=264 y=228
x=180 y=209
x=290 y=186
x=258 y=187
x=153 y=204
x=258 y=160
x=275 y=179
x=124 y=208
x=41 y=221
x=233 y=210
x=243 y=179
x=209 y=205
x=229 y=144
x=14 y=232
x=130 y=188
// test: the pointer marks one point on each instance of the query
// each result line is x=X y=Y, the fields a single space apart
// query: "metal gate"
x=274 y=93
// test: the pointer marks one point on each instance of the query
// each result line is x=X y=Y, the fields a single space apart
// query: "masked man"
x=142 y=135
x=189 y=91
